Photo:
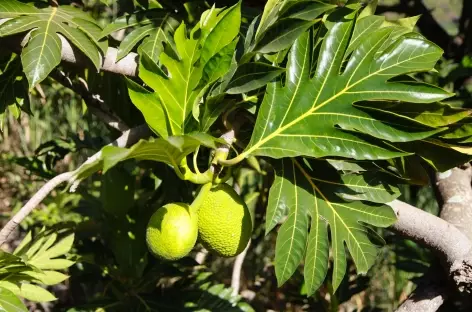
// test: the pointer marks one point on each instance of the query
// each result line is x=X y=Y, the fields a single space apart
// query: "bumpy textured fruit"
x=224 y=221
x=172 y=231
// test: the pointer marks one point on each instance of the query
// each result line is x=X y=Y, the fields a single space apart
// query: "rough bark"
x=455 y=197
x=433 y=232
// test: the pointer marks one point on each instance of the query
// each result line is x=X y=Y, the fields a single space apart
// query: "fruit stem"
x=200 y=196
x=197 y=178
x=232 y=161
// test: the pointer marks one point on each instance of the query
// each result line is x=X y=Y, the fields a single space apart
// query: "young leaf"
x=306 y=115
x=180 y=89
x=43 y=50
x=47 y=277
x=36 y=293
x=170 y=150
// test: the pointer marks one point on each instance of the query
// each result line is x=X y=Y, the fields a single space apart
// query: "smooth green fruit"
x=224 y=221
x=172 y=231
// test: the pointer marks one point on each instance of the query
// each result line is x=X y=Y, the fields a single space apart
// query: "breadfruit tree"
x=323 y=102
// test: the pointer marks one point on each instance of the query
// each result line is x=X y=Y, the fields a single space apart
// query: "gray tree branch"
x=455 y=197
x=452 y=233
x=433 y=232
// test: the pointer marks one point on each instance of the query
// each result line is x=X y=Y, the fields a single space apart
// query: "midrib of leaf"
x=305 y=54
x=48 y=24
x=345 y=184
x=335 y=214
x=373 y=119
x=159 y=30
x=315 y=108
x=190 y=71
x=295 y=212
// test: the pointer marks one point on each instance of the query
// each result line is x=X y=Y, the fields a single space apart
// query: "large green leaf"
x=170 y=150
x=314 y=116
x=311 y=191
x=43 y=50
x=203 y=57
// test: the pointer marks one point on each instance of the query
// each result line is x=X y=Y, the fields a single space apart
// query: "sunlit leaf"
x=310 y=115
x=36 y=293
x=42 y=53
x=10 y=303
x=200 y=60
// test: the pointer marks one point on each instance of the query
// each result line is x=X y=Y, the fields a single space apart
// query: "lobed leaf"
x=43 y=50
x=315 y=116
x=306 y=195
x=201 y=59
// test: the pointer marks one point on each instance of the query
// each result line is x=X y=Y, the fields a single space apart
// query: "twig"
x=127 y=138
x=31 y=204
x=95 y=104
x=236 y=276
x=201 y=256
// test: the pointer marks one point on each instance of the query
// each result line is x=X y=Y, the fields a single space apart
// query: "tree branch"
x=452 y=245
x=31 y=204
x=428 y=296
x=237 y=268
x=126 y=139
x=94 y=103
x=454 y=191
x=430 y=231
